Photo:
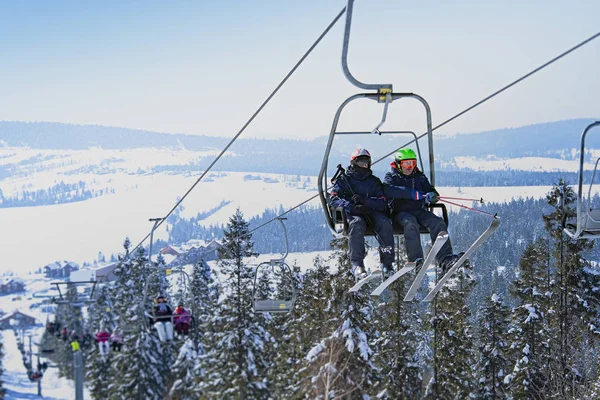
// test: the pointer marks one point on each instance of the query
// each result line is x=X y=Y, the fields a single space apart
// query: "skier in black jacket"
x=360 y=193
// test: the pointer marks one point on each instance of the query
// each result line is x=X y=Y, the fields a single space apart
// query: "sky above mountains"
x=204 y=67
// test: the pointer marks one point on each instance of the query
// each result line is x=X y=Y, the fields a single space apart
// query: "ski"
x=406 y=269
x=372 y=276
x=491 y=229
x=441 y=239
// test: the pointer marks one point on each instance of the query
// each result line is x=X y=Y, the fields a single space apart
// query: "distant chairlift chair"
x=587 y=225
x=148 y=318
x=276 y=306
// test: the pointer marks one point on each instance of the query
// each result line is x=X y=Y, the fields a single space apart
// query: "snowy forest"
x=56 y=194
x=528 y=334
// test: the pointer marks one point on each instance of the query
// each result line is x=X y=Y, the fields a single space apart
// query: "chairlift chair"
x=148 y=318
x=336 y=217
x=82 y=298
x=277 y=305
x=587 y=225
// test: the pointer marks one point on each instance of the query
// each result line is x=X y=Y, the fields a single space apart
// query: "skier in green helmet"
x=411 y=213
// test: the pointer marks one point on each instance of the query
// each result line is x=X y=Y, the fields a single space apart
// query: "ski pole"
x=470 y=208
x=480 y=200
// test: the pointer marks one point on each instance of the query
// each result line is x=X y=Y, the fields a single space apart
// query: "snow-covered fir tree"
x=288 y=329
x=240 y=363
x=341 y=364
x=530 y=335
x=454 y=354
x=399 y=339
x=576 y=294
x=196 y=353
x=493 y=364
x=97 y=369
x=2 y=390
x=184 y=372
x=141 y=370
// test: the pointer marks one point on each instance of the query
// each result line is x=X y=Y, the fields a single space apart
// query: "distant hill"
x=542 y=140
x=551 y=139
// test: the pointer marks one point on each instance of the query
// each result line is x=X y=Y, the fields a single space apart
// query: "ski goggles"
x=363 y=162
x=408 y=163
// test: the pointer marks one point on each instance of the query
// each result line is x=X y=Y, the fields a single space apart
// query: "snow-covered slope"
x=36 y=236
x=15 y=378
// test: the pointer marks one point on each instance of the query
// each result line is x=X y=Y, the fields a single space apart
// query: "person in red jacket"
x=102 y=337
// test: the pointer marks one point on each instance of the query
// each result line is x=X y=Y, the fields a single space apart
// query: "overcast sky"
x=203 y=67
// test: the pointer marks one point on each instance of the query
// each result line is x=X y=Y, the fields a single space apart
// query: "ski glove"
x=358 y=199
x=416 y=195
x=431 y=198
x=359 y=209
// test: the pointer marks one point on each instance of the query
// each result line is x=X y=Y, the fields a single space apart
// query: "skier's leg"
x=169 y=330
x=102 y=348
x=385 y=233
x=356 y=240
x=412 y=236
x=435 y=225
x=160 y=328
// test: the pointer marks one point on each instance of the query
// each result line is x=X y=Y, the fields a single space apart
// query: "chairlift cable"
x=461 y=113
x=283 y=81
x=513 y=83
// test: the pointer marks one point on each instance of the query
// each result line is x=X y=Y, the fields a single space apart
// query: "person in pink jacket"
x=116 y=340
x=102 y=338
x=182 y=319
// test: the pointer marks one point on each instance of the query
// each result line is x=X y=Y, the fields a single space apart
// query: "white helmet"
x=360 y=154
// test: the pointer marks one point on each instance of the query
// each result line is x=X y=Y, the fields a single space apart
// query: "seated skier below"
x=162 y=316
x=102 y=338
x=116 y=340
x=182 y=319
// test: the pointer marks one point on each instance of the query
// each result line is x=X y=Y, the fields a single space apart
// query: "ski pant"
x=411 y=221
x=182 y=328
x=103 y=348
x=116 y=346
x=165 y=330
x=382 y=225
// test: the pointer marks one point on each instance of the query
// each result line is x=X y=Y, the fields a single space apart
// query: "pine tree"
x=454 y=355
x=184 y=372
x=197 y=352
x=289 y=330
x=399 y=339
x=575 y=295
x=98 y=375
x=341 y=364
x=2 y=390
x=493 y=363
x=240 y=363
x=141 y=370
x=530 y=333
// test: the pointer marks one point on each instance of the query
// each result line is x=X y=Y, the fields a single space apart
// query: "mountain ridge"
x=534 y=139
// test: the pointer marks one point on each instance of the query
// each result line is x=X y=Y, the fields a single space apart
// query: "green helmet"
x=405 y=154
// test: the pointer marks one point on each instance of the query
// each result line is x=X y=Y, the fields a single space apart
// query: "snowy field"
x=16 y=382
x=37 y=236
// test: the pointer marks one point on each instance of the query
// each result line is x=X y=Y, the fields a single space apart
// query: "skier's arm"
x=338 y=197
x=401 y=192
